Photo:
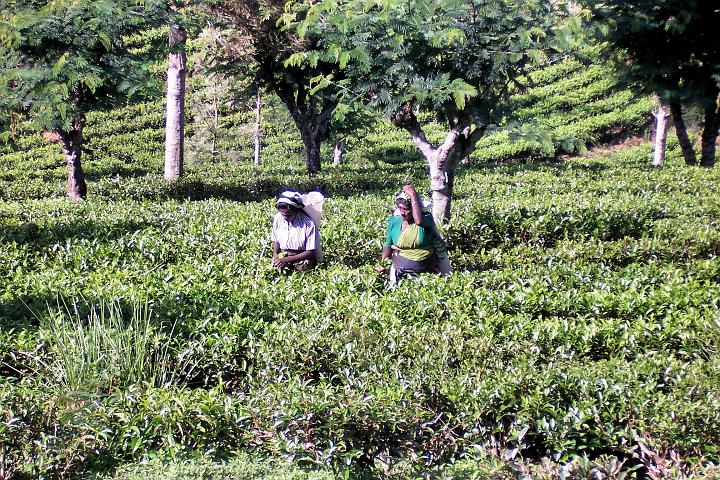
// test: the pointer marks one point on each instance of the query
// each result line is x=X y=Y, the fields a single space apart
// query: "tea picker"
x=295 y=233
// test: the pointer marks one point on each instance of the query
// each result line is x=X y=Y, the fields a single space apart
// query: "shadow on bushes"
x=242 y=186
x=545 y=227
x=40 y=237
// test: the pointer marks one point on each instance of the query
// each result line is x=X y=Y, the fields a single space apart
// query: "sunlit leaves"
x=674 y=45
x=461 y=92
x=583 y=309
x=70 y=52
x=59 y=64
x=445 y=55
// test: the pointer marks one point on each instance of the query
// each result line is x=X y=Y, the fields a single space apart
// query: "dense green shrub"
x=581 y=320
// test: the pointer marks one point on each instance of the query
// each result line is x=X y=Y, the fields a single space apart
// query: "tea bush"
x=241 y=467
x=578 y=334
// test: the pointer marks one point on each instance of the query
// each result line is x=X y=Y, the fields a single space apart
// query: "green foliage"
x=569 y=106
x=582 y=317
x=69 y=56
x=673 y=45
x=240 y=467
x=447 y=57
x=583 y=311
x=103 y=350
x=257 y=50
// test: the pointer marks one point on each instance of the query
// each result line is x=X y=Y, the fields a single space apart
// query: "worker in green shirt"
x=410 y=237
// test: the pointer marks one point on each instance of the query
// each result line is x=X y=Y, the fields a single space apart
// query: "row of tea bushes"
x=582 y=319
x=566 y=107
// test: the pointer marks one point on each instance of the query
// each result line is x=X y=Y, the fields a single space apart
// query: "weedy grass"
x=239 y=467
x=106 y=348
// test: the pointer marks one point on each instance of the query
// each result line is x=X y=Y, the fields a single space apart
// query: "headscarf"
x=291 y=198
x=425 y=205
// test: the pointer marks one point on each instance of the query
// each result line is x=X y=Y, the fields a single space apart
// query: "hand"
x=379 y=269
x=279 y=261
x=409 y=189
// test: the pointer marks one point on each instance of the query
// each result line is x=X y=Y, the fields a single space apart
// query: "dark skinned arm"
x=414 y=205
x=306 y=255
x=276 y=252
x=386 y=253
x=293 y=258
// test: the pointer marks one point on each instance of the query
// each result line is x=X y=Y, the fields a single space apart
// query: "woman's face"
x=287 y=212
x=405 y=211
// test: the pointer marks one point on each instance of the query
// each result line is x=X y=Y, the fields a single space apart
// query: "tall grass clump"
x=106 y=347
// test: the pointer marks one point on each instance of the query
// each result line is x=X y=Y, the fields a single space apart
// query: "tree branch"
x=405 y=118
x=324 y=117
x=452 y=137
x=475 y=136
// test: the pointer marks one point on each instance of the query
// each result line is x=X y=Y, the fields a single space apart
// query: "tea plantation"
x=144 y=333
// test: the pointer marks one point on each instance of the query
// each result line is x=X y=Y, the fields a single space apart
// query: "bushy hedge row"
x=582 y=319
x=567 y=106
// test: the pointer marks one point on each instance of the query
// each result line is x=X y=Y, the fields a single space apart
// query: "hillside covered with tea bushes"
x=146 y=335
x=569 y=106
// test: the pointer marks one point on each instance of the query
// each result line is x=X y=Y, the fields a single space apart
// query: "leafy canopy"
x=255 y=47
x=673 y=45
x=63 y=57
x=451 y=57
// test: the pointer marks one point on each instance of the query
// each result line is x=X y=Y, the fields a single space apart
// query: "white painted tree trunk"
x=338 y=152
x=175 y=113
x=215 y=122
x=459 y=143
x=441 y=186
x=257 y=131
x=76 y=186
x=661 y=127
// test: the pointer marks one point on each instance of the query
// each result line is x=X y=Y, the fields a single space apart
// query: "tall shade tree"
x=257 y=128
x=175 y=102
x=69 y=57
x=183 y=16
x=256 y=45
x=674 y=52
x=456 y=59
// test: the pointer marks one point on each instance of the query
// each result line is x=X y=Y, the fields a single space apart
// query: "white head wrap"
x=425 y=205
x=291 y=198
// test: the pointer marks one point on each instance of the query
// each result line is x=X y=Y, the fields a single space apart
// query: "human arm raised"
x=415 y=205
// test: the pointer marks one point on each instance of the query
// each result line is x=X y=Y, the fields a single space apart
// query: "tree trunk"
x=459 y=143
x=313 y=126
x=681 y=132
x=313 y=131
x=215 y=122
x=256 y=133
x=175 y=118
x=442 y=182
x=661 y=127
x=338 y=152
x=71 y=146
x=76 y=186
x=709 y=136
x=312 y=149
